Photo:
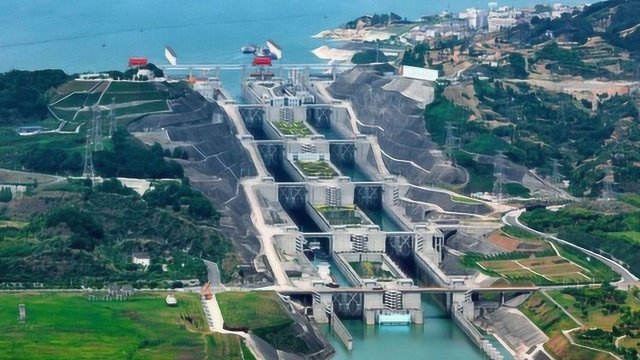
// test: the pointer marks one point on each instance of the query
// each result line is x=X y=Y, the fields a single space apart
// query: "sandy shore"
x=353 y=35
x=326 y=53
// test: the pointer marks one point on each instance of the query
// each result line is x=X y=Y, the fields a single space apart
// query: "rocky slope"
x=216 y=160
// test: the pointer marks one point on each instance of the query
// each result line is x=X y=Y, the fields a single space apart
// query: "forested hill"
x=616 y=21
x=23 y=94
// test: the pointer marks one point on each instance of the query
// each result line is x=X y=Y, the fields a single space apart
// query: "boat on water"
x=171 y=300
x=249 y=49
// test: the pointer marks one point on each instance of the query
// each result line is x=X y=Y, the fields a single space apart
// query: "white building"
x=502 y=18
x=418 y=73
x=476 y=18
x=498 y=23
x=141 y=259
x=558 y=9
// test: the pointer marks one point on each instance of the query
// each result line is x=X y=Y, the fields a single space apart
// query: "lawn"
x=264 y=314
x=632 y=236
x=12 y=224
x=131 y=86
x=595 y=317
x=553 y=268
x=552 y=320
x=144 y=108
x=519 y=233
x=67 y=115
x=341 y=215
x=371 y=270
x=571 y=267
x=69 y=326
x=252 y=309
x=319 y=168
x=77 y=86
x=464 y=200
x=125 y=97
x=296 y=128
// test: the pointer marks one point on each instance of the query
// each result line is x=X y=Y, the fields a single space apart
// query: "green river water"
x=437 y=338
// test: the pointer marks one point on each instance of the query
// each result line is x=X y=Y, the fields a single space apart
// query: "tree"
x=369 y=56
x=200 y=208
x=519 y=65
x=5 y=194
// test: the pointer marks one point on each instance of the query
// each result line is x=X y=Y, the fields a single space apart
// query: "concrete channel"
x=342 y=332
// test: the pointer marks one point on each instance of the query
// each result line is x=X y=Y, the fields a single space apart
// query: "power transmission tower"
x=498 y=174
x=97 y=129
x=112 y=117
x=88 y=171
x=607 y=184
x=450 y=142
x=556 y=177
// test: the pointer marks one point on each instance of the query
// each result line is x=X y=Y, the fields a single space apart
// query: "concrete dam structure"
x=334 y=224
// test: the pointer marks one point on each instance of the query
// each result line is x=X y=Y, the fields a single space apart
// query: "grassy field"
x=464 y=200
x=341 y=215
x=138 y=97
x=519 y=233
x=252 y=309
x=13 y=224
x=632 y=236
x=318 y=168
x=69 y=326
x=264 y=314
x=146 y=107
x=296 y=128
x=76 y=100
x=595 y=317
x=552 y=320
x=552 y=268
x=371 y=270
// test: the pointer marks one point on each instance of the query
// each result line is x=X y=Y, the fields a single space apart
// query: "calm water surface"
x=438 y=338
x=69 y=34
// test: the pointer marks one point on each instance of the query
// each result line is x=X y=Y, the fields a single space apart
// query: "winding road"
x=628 y=279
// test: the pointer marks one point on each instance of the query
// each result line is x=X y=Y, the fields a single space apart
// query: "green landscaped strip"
x=252 y=309
x=265 y=315
x=70 y=326
x=318 y=168
x=295 y=128
x=633 y=236
x=371 y=270
x=465 y=200
x=144 y=108
x=519 y=233
x=341 y=215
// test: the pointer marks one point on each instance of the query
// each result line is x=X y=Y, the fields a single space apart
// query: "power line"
x=556 y=177
x=450 y=144
x=498 y=174
x=88 y=171
x=112 y=117
x=97 y=129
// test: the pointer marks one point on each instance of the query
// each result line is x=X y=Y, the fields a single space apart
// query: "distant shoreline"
x=353 y=35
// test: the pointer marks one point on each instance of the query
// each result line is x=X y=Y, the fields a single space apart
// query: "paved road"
x=628 y=279
x=266 y=232
x=213 y=274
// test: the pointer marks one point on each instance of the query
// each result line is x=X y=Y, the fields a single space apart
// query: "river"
x=437 y=338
